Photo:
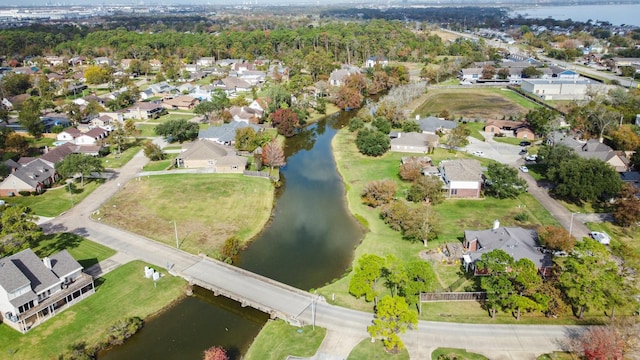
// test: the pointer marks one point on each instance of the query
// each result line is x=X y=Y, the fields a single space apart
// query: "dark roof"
x=32 y=268
x=225 y=133
x=433 y=124
x=63 y=264
x=461 y=170
x=516 y=241
x=58 y=153
x=35 y=172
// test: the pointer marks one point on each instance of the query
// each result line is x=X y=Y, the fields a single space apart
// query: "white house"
x=206 y=61
x=376 y=60
x=78 y=137
x=34 y=290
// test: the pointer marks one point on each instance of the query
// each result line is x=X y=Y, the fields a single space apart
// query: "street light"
x=571 y=224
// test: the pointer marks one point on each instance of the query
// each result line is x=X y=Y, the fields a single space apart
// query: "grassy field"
x=121 y=293
x=454 y=217
x=146 y=130
x=161 y=164
x=55 y=201
x=87 y=252
x=168 y=117
x=112 y=161
x=459 y=354
x=367 y=350
x=277 y=340
x=473 y=104
x=207 y=208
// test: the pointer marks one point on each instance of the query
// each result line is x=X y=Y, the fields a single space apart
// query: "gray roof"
x=63 y=264
x=204 y=150
x=31 y=268
x=414 y=139
x=34 y=172
x=516 y=241
x=225 y=133
x=461 y=170
x=432 y=124
x=557 y=81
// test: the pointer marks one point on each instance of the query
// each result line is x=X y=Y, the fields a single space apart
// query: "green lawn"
x=475 y=128
x=87 y=252
x=367 y=350
x=121 y=293
x=43 y=141
x=277 y=340
x=558 y=356
x=508 y=140
x=112 y=161
x=146 y=130
x=458 y=354
x=160 y=164
x=207 y=208
x=55 y=201
x=170 y=117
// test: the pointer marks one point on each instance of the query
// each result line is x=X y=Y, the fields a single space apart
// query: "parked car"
x=478 y=153
x=601 y=237
x=525 y=143
x=523 y=151
x=524 y=169
x=560 y=253
x=532 y=157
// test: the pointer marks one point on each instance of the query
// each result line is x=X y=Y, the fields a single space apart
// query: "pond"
x=309 y=242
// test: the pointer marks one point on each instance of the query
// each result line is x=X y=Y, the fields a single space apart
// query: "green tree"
x=426 y=188
x=15 y=84
x=29 y=116
x=420 y=278
x=153 y=151
x=458 y=137
x=393 y=317
x=97 y=75
x=382 y=125
x=366 y=276
x=502 y=181
x=19 y=229
x=541 y=120
x=179 y=130
x=372 y=143
x=585 y=278
x=584 y=180
x=531 y=72
x=498 y=288
x=79 y=164
x=246 y=139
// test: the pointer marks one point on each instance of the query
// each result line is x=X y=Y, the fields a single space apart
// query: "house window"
x=454 y=191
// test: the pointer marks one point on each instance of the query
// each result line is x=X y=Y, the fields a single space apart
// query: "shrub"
x=379 y=192
x=372 y=143
x=382 y=125
x=356 y=124
x=124 y=329
x=24 y=193
x=522 y=217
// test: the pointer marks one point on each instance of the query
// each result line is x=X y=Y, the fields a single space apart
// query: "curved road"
x=345 y=327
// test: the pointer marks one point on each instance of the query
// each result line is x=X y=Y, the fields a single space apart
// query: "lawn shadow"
x=97 y=282
x=58 y=242
x=87 y=263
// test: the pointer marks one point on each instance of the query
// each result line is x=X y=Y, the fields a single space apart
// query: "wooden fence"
x=451 y=296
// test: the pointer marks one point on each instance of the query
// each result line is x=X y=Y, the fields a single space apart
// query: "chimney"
x=496 y=224
x=47 y=262
x=417 y=117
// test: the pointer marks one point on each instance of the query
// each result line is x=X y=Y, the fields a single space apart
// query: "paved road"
x=346 y=327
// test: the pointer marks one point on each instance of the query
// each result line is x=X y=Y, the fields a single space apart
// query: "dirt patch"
x=470 y=104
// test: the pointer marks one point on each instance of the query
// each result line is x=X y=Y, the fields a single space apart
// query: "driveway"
x=498 y=151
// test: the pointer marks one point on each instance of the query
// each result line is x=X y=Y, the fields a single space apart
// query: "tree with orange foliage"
x=215 y=353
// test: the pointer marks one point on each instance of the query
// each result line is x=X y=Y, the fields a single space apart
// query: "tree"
x=372 y=142
x=365 y=277
x=541 y=120
x=19 y=229
x=97 y=75
x=79 y=164
x=393 y=317
x=153 y=151
x=556 y=238
x=348 y=98
x=16 y=143
x=525 y=280
x=286 y=121
x=215 y=353
x=29 y=116
x=277 y=98
x=504 y=73
x=458 y=137
x=498 y=288
x=411 y=170
x=420 y=278
x=595 y=118
x=15 y=84
x=272 y=155
x=246 y=139
x=531 y=72
x=426 y=188
x=179 y=130
x=626 y=209
x=601 y=343
x=624 y=138
x=584 y=277
x=382 y=125
x=378 y=192
x=415 y=224
x=488 y=72
x=584 y=180
x=502 y=181
x=205 y=108
x=74 y=112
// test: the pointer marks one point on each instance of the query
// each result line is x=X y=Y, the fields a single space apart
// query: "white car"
x=478 y=153
x=601 y=237
x=524 y=168
x=532 y=157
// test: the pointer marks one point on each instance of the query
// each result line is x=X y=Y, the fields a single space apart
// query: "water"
x=617 y=14
x=309 y=242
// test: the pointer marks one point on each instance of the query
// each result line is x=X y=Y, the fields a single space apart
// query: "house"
x=246 y=114
x=155 y=64
x=470 y=74
x=433 y=125
x=519 y=129
x=462 y=178
x=203 y=92
x=35 y=176
x=146 y=94
x=183 y=102
x=372 y=61
x=338 y=76
x=103 y=60
x=161 y=88
x=51 y=120
x=414 y=142
x=206 y=61
x=518 y=242
x=233 y=85
x=33 y=290
x=191 y=68
x=78 y=137
x=425 y=163
x=557 y=89
x=211 y=155
x=144 y=110
x=593 y=149
x=225 y=133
